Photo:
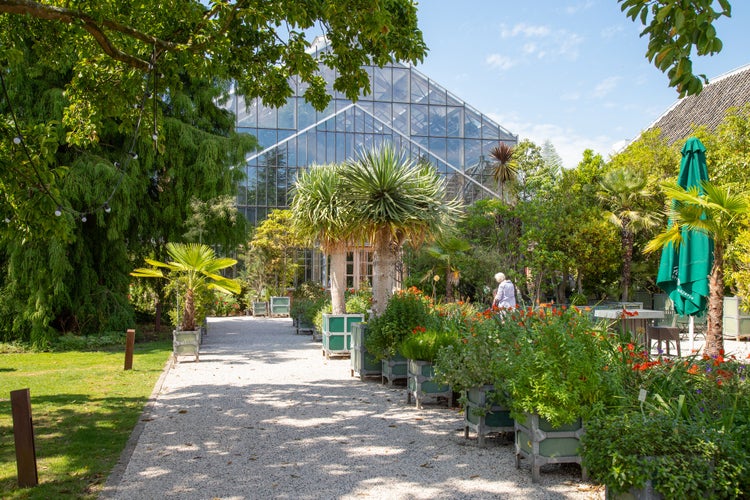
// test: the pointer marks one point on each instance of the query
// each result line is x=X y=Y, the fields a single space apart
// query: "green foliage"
x=308 y=298
x=85 y=407
x=425 y=345
x=555 y=363
x=88 y=343
x=273 y=249
x=676 y=28
x=406 y=310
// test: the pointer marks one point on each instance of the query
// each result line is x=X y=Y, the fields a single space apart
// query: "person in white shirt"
x=505 y=297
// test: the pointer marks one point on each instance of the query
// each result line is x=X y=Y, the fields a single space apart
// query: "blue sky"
x=573 y=72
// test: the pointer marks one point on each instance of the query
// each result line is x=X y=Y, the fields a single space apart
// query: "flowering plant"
x=690 y=417
x=405 y=310
x=555 y=362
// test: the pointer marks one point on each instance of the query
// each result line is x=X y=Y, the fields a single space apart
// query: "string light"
x=132 y=155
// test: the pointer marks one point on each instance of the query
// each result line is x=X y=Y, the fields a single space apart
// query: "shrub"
x=424 y=345
x=405 y=310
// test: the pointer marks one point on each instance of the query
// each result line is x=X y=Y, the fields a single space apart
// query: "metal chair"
x=666 y=334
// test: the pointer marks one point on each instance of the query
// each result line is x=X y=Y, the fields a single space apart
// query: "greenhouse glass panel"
x=437 y=93
x=418 y=88
x=472 y=124
x=401 y=118
x=437 y=121
x=401 y=84
x=419 y=122
x=454 y=122
x=382 y=84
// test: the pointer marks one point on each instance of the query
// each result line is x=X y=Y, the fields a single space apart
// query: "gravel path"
x=265 y=415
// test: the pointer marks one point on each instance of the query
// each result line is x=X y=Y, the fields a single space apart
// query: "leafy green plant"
x=424 y=345
x=681 y=457
x=194 y=266
x=406 y=310
x=555 y=363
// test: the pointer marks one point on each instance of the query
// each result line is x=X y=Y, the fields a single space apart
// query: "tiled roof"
x=707 y=108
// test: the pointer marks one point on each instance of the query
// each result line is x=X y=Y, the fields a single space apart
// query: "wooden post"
x=129 y=343
x=23 y=432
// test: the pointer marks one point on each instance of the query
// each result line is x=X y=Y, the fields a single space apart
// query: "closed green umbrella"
x=683 y=270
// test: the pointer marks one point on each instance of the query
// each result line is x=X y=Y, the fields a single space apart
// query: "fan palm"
x=196 y=265
x=622 y=192
x=504 y=169
x=320 y=209
x=445 y=250
x=716 y=214
x=393 y=200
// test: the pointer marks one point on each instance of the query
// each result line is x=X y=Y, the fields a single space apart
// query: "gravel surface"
x=265 y=415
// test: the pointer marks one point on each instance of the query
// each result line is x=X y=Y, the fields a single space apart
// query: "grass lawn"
x=84 y=406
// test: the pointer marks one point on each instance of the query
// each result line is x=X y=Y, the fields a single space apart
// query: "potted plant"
x=472 y=367
x=554 y=367
x=420 y=349
x=406 y=309
x=193 y=267
x=681 y=431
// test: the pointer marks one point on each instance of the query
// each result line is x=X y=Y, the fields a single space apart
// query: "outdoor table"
x=631 y=320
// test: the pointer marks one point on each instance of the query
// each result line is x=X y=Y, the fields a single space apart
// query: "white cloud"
x=578 y=7
x=568 y=143
x=610 y=32
x=606 y=86
x=499 y=61
x=542 y=41
x=525 y=30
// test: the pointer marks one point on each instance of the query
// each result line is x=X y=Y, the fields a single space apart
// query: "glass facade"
x=405 y=108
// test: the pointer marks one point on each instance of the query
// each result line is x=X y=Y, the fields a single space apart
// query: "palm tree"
x=623 y=192
x=504 y=170
x=196 y=266
x=319 y=209
x=717 y=214
x=445 y=250
x=394 y=200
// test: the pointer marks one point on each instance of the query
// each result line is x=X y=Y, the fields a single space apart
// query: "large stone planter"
x=420 y=384
x=541 y=443
x=363 y=364
x=393 y=368
x=279 y=307
x=186 y=343
x=337 y=333
x=483 y=416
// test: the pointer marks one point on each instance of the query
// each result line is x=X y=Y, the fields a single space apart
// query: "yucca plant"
x=195 y=266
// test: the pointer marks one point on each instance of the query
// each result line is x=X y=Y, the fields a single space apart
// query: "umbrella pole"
x=691 y=333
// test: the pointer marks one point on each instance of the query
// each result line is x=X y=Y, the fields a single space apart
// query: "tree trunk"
x=188 y=321
x=715 y=326
x=627 y=260
x=338 y=280
x=383 y=264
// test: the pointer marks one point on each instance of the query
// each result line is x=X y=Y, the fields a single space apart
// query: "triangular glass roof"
x=405 y=108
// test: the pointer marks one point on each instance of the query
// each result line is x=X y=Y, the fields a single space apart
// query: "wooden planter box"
x=186 y=343
x=393 y=369
x=363 y=363
x=279 y=307
x=484 y=417
x=544 y=444
x=260 y=309
x=337 y=333
x=420 y=384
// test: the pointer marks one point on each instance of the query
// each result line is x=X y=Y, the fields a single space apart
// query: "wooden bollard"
x=23 y=432
x=129 y=343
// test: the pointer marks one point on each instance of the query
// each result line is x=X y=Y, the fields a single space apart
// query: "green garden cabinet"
x=337 y=333
x=363 y=364
x=279 y=307
x=541 y=443
x=483 y=415
x=736 y=323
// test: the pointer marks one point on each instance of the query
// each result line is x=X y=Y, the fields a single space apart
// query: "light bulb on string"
x=107 y=208
x=58 y=211
x=133 y=155
x=84 y=218
x=16 y=140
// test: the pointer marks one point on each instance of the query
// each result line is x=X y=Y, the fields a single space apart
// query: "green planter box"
x=337 y=333
x=393 y=369
x=544 y=444
x=483 y=416
x=736 y=323
x=186 y=343
x=260 y=309
x=363 y=363
x=421 y=385
x=279 y=306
